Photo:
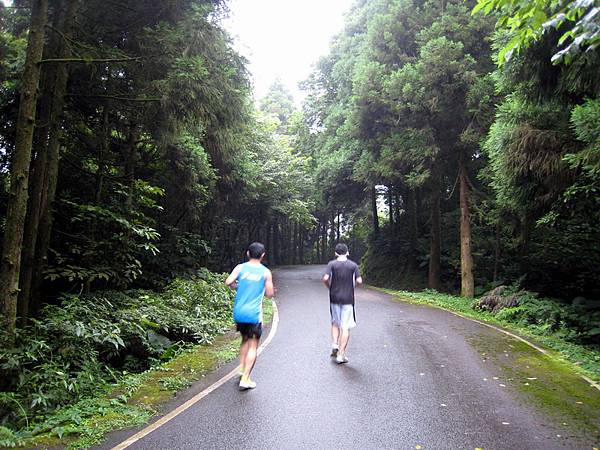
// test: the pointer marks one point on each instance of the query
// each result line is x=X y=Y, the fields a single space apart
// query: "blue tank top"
x=250 y=291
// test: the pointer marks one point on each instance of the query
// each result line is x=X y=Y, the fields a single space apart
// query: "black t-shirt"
x=342 y=276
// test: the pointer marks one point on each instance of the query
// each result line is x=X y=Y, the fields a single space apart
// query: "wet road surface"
x=415 y=380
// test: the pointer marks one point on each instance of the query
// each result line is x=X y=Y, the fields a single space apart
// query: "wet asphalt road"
x=413 y=380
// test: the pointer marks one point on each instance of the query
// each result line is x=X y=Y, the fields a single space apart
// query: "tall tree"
x=17 y=205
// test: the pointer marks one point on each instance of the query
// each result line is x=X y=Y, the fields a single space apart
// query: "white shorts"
x=342 y=316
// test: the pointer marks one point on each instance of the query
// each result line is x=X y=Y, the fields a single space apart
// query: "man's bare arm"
x=359 y=281
x=233 y=276
x=326 y=280
x=269 y=288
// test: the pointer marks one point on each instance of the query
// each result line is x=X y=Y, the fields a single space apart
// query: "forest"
x=453 y=145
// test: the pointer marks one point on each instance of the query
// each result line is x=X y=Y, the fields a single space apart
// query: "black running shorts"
x=251 y=330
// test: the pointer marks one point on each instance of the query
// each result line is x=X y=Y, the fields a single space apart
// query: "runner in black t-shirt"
x=340 y=277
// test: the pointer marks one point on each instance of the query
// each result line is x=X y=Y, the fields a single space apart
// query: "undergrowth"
x=55 y=375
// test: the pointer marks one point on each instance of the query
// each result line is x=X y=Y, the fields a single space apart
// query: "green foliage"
x=74 y=348
x=527 y=21
x=577 y=323
x=389 y=250
x=175 y=383
x=584 y=120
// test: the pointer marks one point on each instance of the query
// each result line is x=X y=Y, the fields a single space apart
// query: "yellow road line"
x=195 y=399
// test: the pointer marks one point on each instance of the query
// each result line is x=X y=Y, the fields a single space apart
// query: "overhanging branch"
x=116 y=97
x=88 y=60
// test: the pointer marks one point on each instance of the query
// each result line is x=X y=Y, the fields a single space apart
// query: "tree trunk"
x=269 y=243
x=391 y=205
x=324 y=243
x=129 y=164
x=19 y=179
x=466 y=257
x=496 y=252
x=301 y=240
x=294 y=243
x=276 y=240
x=413 y=231
x=285 y=242
x=338 y=233
x=37 y=182
x=318 y=243
x=374 y=211
x=526 y=228
x=332 y=240
x=37 y=237
x=436 y=232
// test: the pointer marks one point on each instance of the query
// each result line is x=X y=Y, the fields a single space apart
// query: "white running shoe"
x=341 y=359
x=247 y=384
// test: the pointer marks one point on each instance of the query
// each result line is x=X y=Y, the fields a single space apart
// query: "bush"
x=76 y=347
x=578 y=323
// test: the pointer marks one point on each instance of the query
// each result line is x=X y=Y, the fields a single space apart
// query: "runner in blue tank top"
x=253 y=281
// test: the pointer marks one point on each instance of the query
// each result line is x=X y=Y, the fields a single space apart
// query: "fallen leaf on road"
x=443 y=404
x=532 y=378
x=495 y=378
x=502 y=385
x=526 y=384
x=421 y=374
x=505 y=423
x=418 y=447
x=579 y=403
x=485 y=379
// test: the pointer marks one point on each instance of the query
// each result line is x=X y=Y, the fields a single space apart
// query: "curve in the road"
x=196 y=398
x=519 y=338
x=417 y=376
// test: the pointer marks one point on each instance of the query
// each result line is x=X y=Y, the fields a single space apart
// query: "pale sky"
x=284 y=38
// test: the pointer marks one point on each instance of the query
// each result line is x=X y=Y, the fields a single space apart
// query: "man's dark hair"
x=341 y=249
x=256 y=250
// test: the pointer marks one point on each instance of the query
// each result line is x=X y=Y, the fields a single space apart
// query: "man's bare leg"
x=335 y=335
x=250 y=356
x=335 y=339
x=344 y=338
x=243 y=352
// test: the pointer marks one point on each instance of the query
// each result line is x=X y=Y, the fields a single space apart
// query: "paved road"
x=414 y=379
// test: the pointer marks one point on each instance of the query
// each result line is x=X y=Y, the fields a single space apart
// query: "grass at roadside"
x=584 y=360
x=136 y=398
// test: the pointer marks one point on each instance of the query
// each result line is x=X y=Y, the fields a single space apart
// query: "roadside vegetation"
x=94 y=363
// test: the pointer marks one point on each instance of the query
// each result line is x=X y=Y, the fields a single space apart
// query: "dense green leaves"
x=527 y=21
x=76 y=347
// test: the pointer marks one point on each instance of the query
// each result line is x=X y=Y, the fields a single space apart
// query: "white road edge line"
x=195 y=399
x=531 y=344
